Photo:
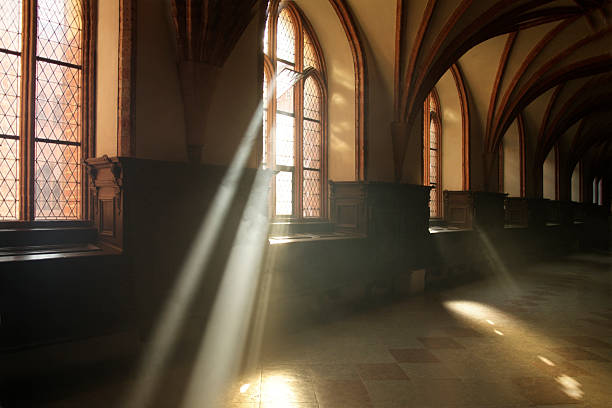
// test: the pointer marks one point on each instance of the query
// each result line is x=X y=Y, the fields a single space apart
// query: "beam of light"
x=192 y=272
x=499 y=268
x=546 y=361
x=498 y=332
x=244 y=388
x=570 y=386
x=224 y=341
x=491 y=322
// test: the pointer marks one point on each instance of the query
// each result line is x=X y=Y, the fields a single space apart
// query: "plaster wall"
x=512 y=161
x=479 y=74
x=107 y=79
x=236 y=102
x=159 y=118
x=576 y=184
x=548 y=181
x=376 y=21
x=452 y=133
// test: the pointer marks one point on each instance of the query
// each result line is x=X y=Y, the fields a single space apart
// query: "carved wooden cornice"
x=106 y=185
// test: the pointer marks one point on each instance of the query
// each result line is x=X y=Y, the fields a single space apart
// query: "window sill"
x=444 y=229
x=307 y=238
x=289 y=227
x=48 y=252
x=36 y=234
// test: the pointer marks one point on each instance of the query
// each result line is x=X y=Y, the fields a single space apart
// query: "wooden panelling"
x=470 y=209
x=517 y=211
x=458 y=209
x=553 y=212
x=378 y=209
x=348 y=207
x=537 y=212
x=578 y=211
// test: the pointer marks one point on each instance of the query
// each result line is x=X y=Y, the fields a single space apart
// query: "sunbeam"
x=192 y=272
x=224 y=340
x=499 y=268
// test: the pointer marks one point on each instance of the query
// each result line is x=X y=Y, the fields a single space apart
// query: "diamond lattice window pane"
x=433 y=135
x=433 y=166
x=57 y=189
x=310 y=56
x=9 y=179
x=284 y=193
x=10 y=25
x=312 y=194
x=434 y=210
x=59 y=30
x=58 y=106
x=285 y=131
x=284 y=89
x=312 y=99
x=10 y=72
x=285 y=37
x=312 y=144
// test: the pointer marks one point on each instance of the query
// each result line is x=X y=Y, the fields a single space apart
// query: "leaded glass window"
x=294 y=123
x=40 y=162
x=431 y=153
x=10 y=94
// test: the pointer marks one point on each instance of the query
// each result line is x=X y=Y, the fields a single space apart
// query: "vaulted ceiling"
x=548 y=61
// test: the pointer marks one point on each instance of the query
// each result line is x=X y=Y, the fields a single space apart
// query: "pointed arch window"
x=597 y=191
x=295 y=122
x=432 y=157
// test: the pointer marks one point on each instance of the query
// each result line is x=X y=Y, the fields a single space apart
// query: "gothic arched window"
x=295 y=123
x=432 y=157
x=44 y=71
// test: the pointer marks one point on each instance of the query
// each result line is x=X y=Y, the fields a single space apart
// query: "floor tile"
x=461 y=332
x=576 y=353
x=440 y=343
x=598 y=322
x=333 y=372
x=383 y=371
x=285 y=404
x=341 y=393
x=585 y=341
x=490 y=393
x=391 y=393
x=414 y=356
x=440 y=370
x=447 y=392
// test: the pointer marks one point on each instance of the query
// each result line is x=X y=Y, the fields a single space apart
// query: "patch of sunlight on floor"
x=570 y=386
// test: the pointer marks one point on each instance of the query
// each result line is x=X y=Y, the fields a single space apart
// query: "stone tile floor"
x=539 y=336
